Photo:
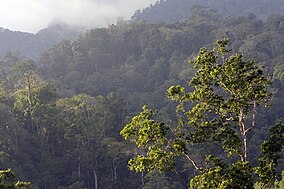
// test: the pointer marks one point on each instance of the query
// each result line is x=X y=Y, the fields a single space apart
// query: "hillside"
x=171 y=11
x=61 y=115
x=32 y=45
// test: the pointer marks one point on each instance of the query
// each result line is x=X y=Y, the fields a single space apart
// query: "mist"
x=33 y=15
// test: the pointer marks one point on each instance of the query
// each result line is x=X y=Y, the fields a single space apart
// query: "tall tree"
x=25 y=74
x=88 y=119
x=219 y=112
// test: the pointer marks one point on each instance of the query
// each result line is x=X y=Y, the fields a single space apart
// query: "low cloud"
x=33 y=15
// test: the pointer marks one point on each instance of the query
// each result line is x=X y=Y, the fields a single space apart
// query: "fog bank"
x=33 y=15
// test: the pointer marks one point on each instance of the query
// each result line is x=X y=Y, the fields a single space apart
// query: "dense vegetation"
x=219 y=116
x=171 y=11
x=61 y=116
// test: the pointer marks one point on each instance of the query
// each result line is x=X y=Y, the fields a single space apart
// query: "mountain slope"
x=32 y=45
x=170 y=11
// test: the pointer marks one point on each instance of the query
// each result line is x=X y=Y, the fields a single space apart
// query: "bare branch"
x=198 y=168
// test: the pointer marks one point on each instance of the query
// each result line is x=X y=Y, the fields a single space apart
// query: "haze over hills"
x=32 y=45
x=33 y=15
x=18 y=16
x=171 y=11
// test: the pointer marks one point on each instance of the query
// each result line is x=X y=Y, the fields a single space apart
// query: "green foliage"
x=270 y=154
x=150 y=137
x=7 y=181
x=226 y=91
x=171 y=11
x=156 y=179
x=238 y=175
x=64 y=130
x=278 y=184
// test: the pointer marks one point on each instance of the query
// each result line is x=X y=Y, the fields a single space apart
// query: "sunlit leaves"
x=7 y=178
x=216 y=111
x=150 y=137
x=270 y=154
x=220 y=176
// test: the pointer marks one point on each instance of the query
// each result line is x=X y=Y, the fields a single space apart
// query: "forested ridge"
x=32 y=45
x=170 y=11
x=61 y=116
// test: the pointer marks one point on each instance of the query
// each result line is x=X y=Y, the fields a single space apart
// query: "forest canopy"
x=224 y=102
x=61 y=115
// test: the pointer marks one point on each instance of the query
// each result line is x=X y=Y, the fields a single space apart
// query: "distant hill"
x=171 y=11
x=32 y=45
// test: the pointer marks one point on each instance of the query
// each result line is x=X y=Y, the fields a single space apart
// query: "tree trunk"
x=114 y=165
x=243 y=132
x=79 y=168
x=96 y=179
x=16 y=139
x=142 y=178
x=30 y=101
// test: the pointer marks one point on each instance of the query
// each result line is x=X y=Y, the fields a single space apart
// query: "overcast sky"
x=33 y=15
